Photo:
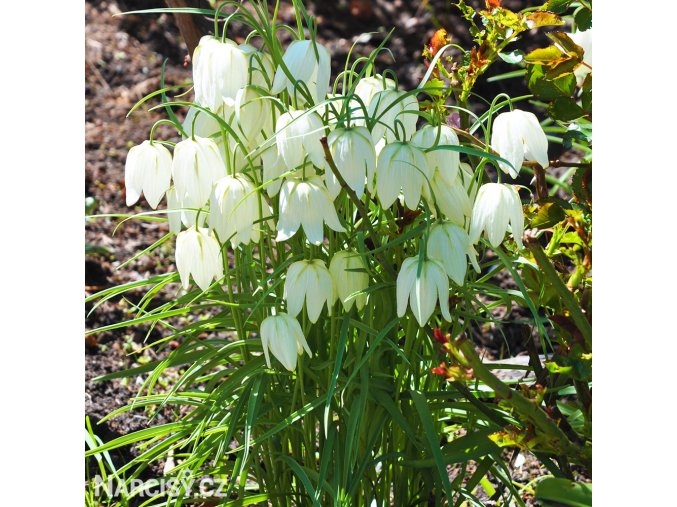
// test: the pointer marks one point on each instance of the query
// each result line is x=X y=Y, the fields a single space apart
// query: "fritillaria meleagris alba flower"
x=422 y=291
x=234 y=209
x=148 y=169
x=196 y=167
x=282 y=335
x=449 y=244
x=306 y=203
x=394 y=110
x=261 y=67
x=452 y=198
x=349 y=274
x=367 y=87
x=353 y=152
x=517 y=136
x=309 y=63
x=583 y=39
x=496 y=206
x=298 y=134
x=220 y=69
x=308 y=281
x=401 y=166
x=198 y=254
x=443 y=161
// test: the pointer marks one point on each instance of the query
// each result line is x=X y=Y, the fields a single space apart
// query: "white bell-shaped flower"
x=198 y=254
x=442 y=160
x=273 y=169
x=422 y=291
x=252 y=112
x=349 y=274
x=199 y=123
x=174 y=215
x=298 y=134
x=449 y=244
x=305 y=65
x=368 y=87
x=220 y=69
x=282 y=335
x=353 y=152
x=308 y=281
x=234 y=210
x=261 y=67
x=583 y=39
x=452 y=199
x=148 y=169
x=306 y=203
x=393 y=110
x=196 y=167
x=517 y=136
x=496 y=206
x=401 y=166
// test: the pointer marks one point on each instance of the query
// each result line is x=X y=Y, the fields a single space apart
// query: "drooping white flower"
x=449 y=244
x=308 y=281
x=422 y=291
x=353 y=152
x=220 y=69
x=442 y=160
x=401 y=166
x=496 y=206
x=393 y=110
x=174 y=217
x=252 y=112
x=299 y=134
x=452 y=199
x=199 y=123
x=196 y=166
x=283 y=336
x=234 y=209
x=306 y=203
x=198 y=254
x=261 y=68
x=517 y=136
x=349 y=274
x=368 y=87
x=148 y=169
x=307 y=66
x=273 y=169
x=583 y=39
